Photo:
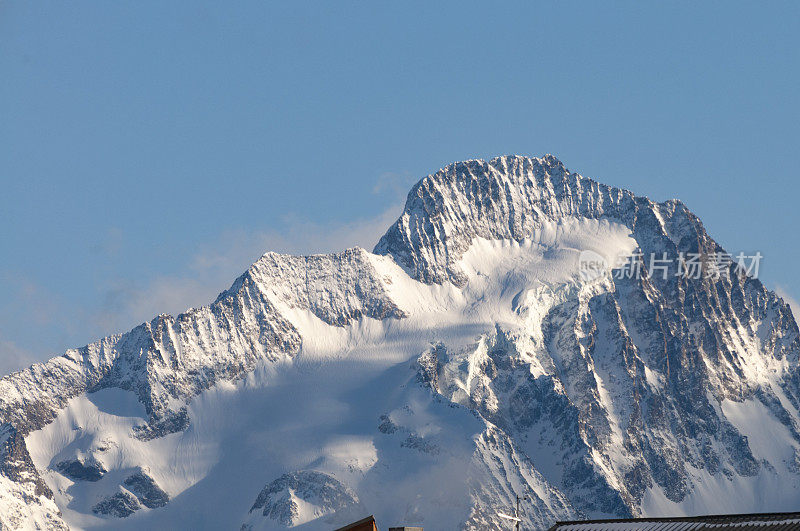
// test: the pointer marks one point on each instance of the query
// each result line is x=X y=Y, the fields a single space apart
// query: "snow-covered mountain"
x=466 y=360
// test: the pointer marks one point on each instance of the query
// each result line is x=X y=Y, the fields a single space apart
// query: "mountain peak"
x=464 y=353
x=508 y=197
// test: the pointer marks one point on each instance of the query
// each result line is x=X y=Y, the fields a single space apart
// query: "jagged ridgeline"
x=468 y=359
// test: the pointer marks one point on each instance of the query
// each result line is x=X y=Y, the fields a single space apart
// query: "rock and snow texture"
x=25 y=500
x=465 y=361
x=300 y=497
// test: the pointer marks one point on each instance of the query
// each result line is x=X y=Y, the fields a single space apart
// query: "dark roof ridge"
x=698 y=518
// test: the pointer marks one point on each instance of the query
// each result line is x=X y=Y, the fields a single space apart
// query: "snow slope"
x=465 y=361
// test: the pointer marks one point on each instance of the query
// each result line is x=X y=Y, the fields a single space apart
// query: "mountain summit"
x=519 y=330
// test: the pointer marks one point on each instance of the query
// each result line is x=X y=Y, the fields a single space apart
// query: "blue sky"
x=151 y=151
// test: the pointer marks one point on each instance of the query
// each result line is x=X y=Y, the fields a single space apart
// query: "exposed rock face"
x=507 y=395
x=610 y=395
x=170 y=422
x=161 y=361
x=506 y=198
x=302 y=496
x=697 y=338
x=26 y=502
x=78 y=470
x=16 y=463
x=137 y=490
x=337 y=288
x=146 y=490
x=500 y=467
x=120 y=505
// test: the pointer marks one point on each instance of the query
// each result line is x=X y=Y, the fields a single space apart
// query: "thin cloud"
x=111 y=244
x=13 y=357
x=33 y=299
x=395 y=183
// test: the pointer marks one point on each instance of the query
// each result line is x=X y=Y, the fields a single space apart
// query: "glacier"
x=464 y=361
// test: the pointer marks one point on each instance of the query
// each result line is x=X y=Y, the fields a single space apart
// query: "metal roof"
x=367 y=523
x=755 y=522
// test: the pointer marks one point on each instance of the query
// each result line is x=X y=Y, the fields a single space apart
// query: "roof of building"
x=754 y=522
x=367 y=523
